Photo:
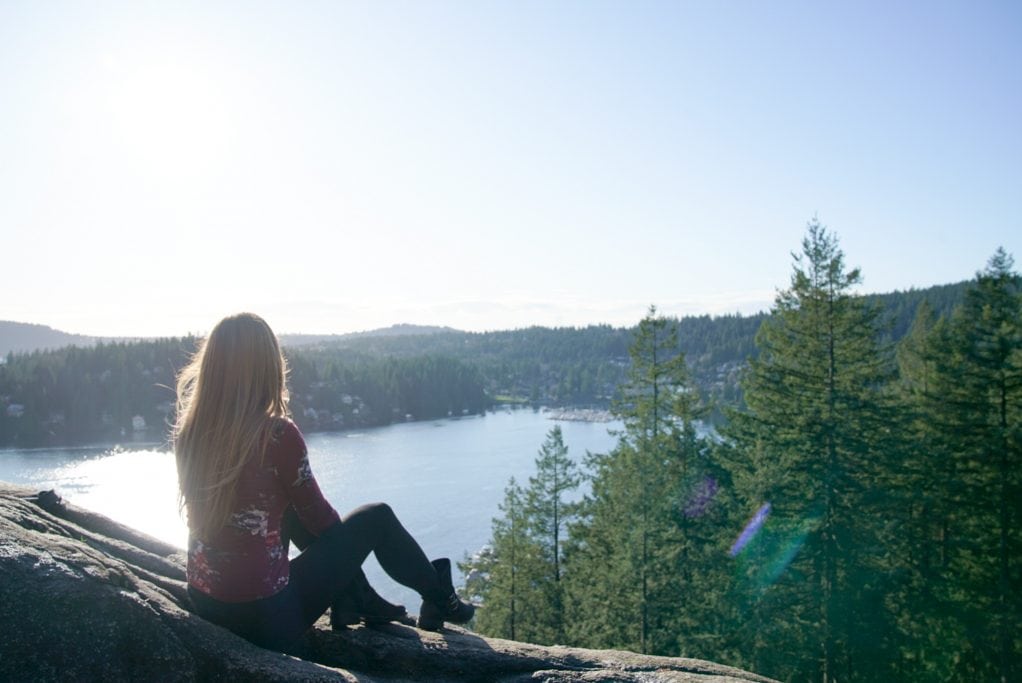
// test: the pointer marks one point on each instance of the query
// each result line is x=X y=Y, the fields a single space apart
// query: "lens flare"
x=785 y=551
x=699 y=497
x=768 y=547
x=751 y=529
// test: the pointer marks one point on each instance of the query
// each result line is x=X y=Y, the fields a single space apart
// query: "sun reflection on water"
x=138 y=488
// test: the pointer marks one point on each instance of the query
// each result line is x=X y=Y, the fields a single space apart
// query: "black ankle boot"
x=358 y=602
x=444 y=604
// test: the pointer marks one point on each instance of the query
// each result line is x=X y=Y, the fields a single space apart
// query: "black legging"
x=324 y=568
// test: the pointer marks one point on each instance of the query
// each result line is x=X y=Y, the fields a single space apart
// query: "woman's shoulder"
x=285 y=432
x=281 y=427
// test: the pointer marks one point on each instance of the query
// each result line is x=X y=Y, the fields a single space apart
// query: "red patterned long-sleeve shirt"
x=246 y=559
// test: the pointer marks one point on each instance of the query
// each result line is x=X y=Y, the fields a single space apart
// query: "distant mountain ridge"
x=22 y=337
x=899 y=307
x=398 y=330
x=90 y=392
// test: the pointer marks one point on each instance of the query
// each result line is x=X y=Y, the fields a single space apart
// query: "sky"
x=343 y=166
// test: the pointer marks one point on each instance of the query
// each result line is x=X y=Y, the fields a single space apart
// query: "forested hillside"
x=24 y=337
x=111 y=391
x=570 y=366
x=860 y=519
x=125 y=391
x=585 y=366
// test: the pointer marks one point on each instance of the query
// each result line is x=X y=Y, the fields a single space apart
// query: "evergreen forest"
x=111 y=391
x=125 y=391
x=857 y=518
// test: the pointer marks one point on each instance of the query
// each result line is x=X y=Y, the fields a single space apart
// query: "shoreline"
x=561 y=414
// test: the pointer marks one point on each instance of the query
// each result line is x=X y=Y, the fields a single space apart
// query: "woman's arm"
x=295 y=476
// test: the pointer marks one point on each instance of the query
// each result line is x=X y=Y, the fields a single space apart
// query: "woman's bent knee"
x=375 y=511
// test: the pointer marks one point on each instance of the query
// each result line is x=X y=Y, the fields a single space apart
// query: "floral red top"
x=246 y=559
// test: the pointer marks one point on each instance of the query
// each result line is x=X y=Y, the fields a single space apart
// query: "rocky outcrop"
x=85 y=598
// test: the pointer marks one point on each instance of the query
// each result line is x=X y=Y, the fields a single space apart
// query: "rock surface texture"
x=85 y=598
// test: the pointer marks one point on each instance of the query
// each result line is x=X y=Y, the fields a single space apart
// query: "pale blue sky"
x=342 y=166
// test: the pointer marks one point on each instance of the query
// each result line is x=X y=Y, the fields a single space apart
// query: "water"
x=443 y=478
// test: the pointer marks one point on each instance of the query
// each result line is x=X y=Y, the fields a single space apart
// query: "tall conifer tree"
x=976 y=404
x=501 y=578
x=518 y=578
x=924 y=487
x=816 y=424
x=632 y=558
x=548 y=513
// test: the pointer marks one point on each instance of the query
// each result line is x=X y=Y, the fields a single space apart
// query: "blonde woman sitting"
x=248 y=489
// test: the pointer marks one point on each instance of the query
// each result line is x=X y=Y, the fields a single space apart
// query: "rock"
x=85 y=598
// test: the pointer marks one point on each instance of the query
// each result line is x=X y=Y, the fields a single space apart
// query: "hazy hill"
x=28 y=337
x=20 y=337
x=899 y=309
x=399 y=330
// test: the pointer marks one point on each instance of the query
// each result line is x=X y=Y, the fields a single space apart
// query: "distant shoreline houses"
x=580 y=415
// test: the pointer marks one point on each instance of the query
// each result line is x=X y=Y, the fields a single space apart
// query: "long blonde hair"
x=228 y=398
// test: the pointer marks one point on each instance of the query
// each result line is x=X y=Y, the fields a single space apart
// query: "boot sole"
x=351 y=619
x=430 y=625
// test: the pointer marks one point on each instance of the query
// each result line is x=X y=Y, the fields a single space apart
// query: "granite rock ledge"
x=85 y=598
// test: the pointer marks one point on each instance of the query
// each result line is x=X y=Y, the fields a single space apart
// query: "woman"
x=246 y=484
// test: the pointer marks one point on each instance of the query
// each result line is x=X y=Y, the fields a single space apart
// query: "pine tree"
x=501 y=577
x=918 y=484
x=976 y=404
x=518 y=579
x=815 y=436
x=547 y=513
x=631 y=556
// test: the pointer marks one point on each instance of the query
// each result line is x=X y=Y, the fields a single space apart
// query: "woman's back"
x=246 y=559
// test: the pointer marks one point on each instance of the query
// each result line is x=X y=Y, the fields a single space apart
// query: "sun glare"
x=167 y=116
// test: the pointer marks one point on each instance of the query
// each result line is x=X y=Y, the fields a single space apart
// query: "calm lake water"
x=444 y=478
